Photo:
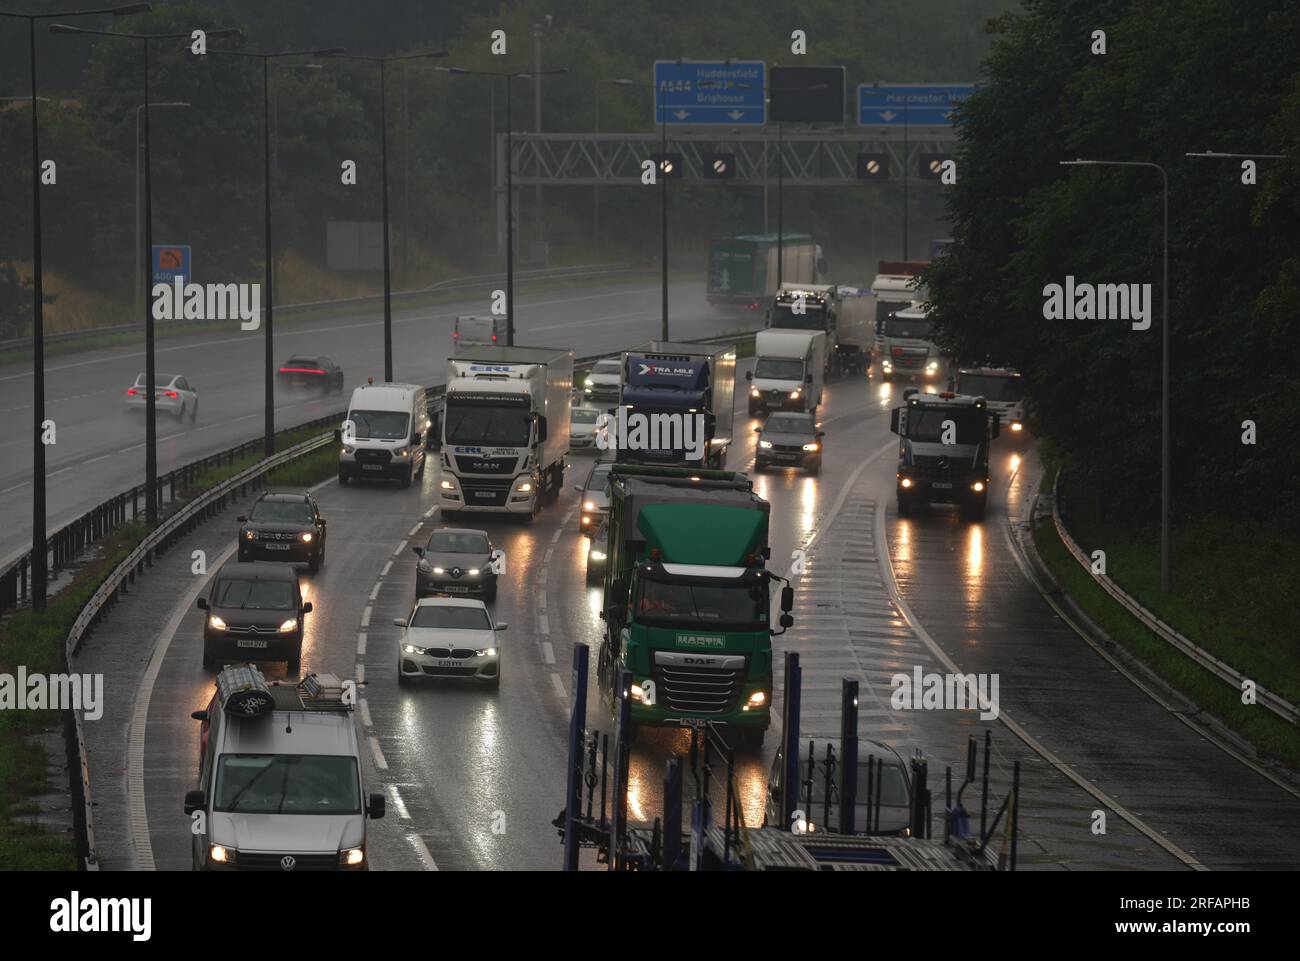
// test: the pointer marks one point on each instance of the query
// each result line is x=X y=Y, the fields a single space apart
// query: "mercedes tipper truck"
x=668 y=395
x=743 y=270
x=686 y=602
x=943 y=450
x=788 y=370
x=505 y=429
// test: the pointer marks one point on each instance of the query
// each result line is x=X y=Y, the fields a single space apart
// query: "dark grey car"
x=459 y=562
x=253 y=612
x=789 y=439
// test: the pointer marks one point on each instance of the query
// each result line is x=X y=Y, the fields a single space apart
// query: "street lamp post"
x=150 y=370
x=383 y=176
x=1165 y=560
x=595 y=190
x=40 y=548
x=510 y=183
x=139 y=277
x=268 y=280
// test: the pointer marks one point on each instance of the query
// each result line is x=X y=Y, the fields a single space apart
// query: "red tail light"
x=494 y=336
x=130 y=392
x=169 y=393
x=300 y=370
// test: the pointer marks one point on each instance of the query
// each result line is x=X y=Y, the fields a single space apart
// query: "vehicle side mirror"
x=419 y=551
x=195 y=801
x=787 y=598
x=997 y=425
x=758 y=430
x=541 y=429
x=787 y=621
x=415 y=438
x=807 y=378
x=306 y=608
x=893 y=420
x=377 y=806
x=749 y=375
x=501 y=627
x=242 y=518
x=399 y=622
x=202 y=604
x=199 y=715
x=821 y=433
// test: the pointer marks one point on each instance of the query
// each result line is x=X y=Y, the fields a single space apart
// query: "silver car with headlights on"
x=449 y=637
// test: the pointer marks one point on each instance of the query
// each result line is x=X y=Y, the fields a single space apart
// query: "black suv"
x=283 y=526
x=254 y=612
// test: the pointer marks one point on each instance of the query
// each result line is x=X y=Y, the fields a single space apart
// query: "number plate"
x=449 y=663
x=278 y=547
x=942 y=485
x=261 y=645
x=487 y=494
x=372 y=466
x=456 y=590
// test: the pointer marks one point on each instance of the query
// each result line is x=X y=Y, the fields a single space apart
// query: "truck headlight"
x=754 y=392
x=446 y=485
x=401 y=452
x=525 y=487
x=597 y=555
x=636 y=693
x=348 y=450
x=905 y=482
x=216 y=623
x=932 y=366
x=977 y=487
x=588 y=383
x=764 y=443
x=219 y=854
x=289 y=626
x=425 y=567
x=758 y=699
x=794 y=393
x=351 y=857
x=1016 y=425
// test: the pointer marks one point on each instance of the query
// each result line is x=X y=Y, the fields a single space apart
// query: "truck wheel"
x=406 y=478
x=343 y=479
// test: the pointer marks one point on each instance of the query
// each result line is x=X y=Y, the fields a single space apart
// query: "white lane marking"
x=429 y=512
x=127 y=450
x=364 y=707
x=400 y=547
x=95 y=460
x=137 y=811
x=15 y=487
x=541 y=601
x=365 y=616
x=361 y=644
x=379 y=755
x=398 y=804
x=546 y=558
x=555 y=538
x=374 y=591
x=422 y=850
x=361 y=673
x=413 y=530
x=568 y=517
x=548 y=652
x=559 y=686
x=542 y=574
x=387 y=567
x=543 y=625
x=887 y=570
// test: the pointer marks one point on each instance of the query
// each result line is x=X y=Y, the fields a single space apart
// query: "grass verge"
x=1191 y=611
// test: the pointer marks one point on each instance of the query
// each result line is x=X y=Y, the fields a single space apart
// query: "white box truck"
x=505 y=429
x=789 y=369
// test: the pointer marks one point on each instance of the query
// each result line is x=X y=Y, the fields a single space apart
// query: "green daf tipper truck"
x=687 y=600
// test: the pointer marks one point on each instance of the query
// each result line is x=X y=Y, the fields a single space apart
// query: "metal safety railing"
x=1215 y=665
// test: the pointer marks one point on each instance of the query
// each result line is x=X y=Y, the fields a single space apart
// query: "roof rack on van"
x=243 y=691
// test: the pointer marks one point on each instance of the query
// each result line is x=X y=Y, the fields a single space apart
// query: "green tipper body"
x=705 y=518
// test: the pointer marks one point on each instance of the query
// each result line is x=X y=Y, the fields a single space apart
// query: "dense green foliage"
x=1179 y=76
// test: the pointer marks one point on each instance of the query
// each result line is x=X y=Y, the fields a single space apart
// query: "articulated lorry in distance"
x=1002 y=389
x=906 y=347
x=686 y=600
x=894 y=289
x=943 y=450
x=855 y=330
x=505 y=429
x=743 y=270
x=789 y=369
x=684 y=379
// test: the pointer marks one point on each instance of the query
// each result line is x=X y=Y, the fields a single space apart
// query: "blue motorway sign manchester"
x=171 y=261
x=710 y=92
x=909 y=104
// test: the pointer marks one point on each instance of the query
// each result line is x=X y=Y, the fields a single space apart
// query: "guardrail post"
x=848 y=754
x=619 y=821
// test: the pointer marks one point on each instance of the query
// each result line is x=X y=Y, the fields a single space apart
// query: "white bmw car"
x=172 y=393
x=449 y=637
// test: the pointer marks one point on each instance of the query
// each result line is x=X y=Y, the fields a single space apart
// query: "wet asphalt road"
x=475 y=777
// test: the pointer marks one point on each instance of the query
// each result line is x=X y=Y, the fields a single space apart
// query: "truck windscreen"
x=926 y=425
x=813 y=318
x=778 y=368
x=487 y=424
x=886 y=307
x=671 y=603
x=990 y=388
x=907 y=327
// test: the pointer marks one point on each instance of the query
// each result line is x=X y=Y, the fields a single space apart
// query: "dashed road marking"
x=546 y=558
x=361 y=673
x=365 y=616
x=555 y=538
x=422 y=850
x=543 y=624
x=429 y=512
x=361 y=643
x=398 y=804
x=379 y=755
x=548 y=652
x=364 y=707
x=414 y=530
x=400 y=547
x=374 y=591
x=559 y=686
x=387 y=567
x=95 y=460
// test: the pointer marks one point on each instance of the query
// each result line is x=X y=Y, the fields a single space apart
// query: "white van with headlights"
x=280 y=777
x=385 y=434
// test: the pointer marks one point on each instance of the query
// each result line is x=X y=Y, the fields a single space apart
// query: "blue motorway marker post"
x=701 y=92
x=848 y=754
x=621 y=738
x=790 y=738
x=573 y=780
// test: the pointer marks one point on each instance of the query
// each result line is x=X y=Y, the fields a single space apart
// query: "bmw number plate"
x=449 y=663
